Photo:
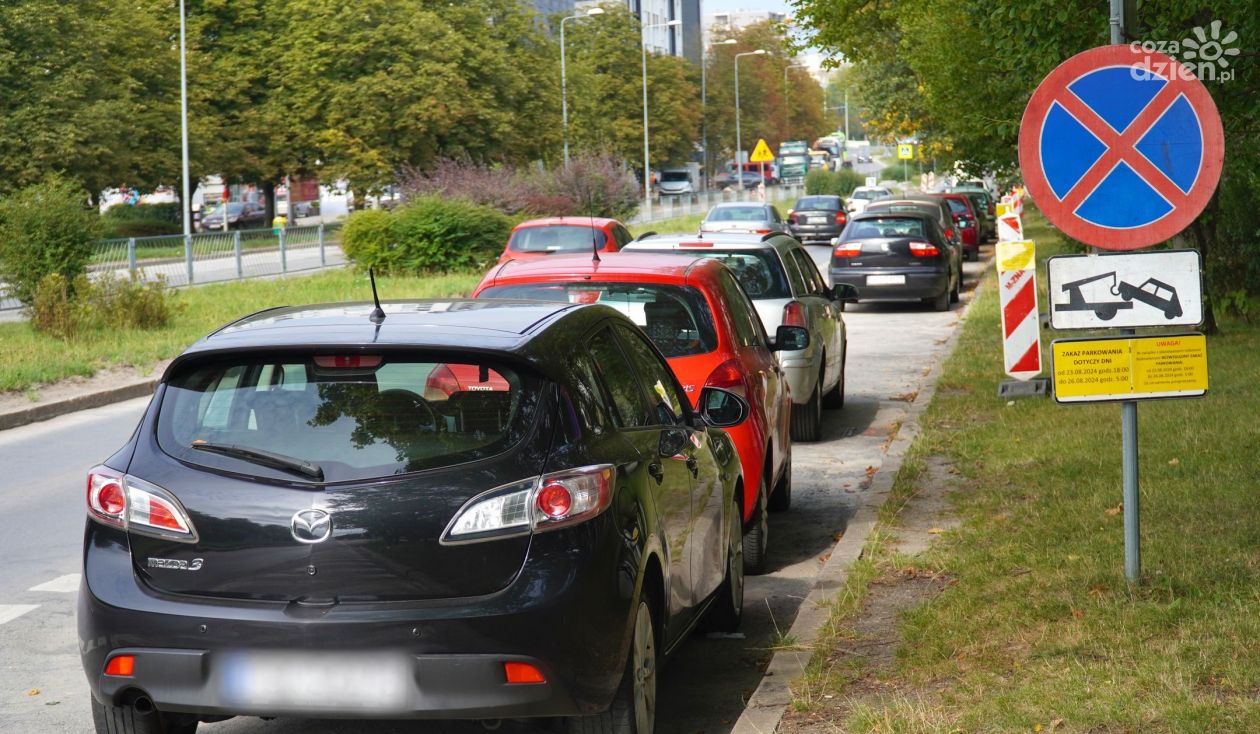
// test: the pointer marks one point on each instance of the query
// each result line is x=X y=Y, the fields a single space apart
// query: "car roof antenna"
x=378 y=313
x=590 y=210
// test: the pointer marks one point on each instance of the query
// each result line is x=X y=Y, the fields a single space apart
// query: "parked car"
x=785 y=286
x=294 y=529
x=240 y=215
x=898 y=255
x=744 y=216
x=675 y=182
x=702 y=321
x=930 y=204
x=864 y=195
x=817 y=218
x=564 y=235
x=985 y=207
x=968 y=223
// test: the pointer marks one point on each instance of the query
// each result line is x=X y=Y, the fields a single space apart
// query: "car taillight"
x=949 y=233
x=442 y=380
x=793 y=314
x=124 y=501
x=347 y=361
x=923 y=249
x=842 y=218
x=848 y=249
x=727 y=376
x=761 y=231
x=121 y=665
x=538 y=504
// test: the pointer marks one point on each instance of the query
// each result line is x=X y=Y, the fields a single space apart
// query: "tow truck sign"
x=1125 y=290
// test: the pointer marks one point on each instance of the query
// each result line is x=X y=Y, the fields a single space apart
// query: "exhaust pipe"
x=143 y=705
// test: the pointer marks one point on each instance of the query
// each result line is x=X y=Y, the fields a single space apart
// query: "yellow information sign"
x=1129 y=368
x=905 y=152
x=761 y=154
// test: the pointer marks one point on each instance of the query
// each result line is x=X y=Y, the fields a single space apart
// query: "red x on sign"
x=1121 y=148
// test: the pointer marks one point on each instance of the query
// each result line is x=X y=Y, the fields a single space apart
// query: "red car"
x=708 y=330
x=964 y=214
x=556 y=235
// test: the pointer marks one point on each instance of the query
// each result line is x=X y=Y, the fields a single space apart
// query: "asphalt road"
x=43 y=689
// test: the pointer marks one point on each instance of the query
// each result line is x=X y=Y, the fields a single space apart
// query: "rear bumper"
x=918 y=284
x=816 y=232
x=186 y=649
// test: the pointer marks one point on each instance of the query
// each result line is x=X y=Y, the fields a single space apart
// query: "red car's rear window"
x=556 y=238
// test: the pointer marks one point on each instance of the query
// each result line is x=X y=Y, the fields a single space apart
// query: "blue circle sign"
x=1121 y=148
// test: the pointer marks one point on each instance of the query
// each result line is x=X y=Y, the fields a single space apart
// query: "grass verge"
x=28 y=358
x=1037 y=629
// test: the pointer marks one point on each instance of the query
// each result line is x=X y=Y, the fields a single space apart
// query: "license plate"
x=818 y=220
x=376 y=682
x=885 y=280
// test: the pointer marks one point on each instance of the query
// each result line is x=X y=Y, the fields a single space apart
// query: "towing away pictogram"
x=1154 y=293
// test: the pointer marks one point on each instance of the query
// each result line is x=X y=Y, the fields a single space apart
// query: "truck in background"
x=679 y=180
x=793 y=161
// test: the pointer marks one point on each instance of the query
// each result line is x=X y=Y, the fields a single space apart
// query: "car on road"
x=967 y=220
x=780 y=277
x=984 y=204
x=735 y=179
x=675 y=182
x=864 y=195
x=560 y=235
x=820 y=218
x=702 y=321
x=752 y=217
x=898 y=255
x=930 y=204
x=295 y=529
x=240 y=215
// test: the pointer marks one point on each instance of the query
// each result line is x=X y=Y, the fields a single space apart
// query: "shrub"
x=46 y=228
x=63 y=308
x=836 y=183
x=142 y=220
x=428 y=234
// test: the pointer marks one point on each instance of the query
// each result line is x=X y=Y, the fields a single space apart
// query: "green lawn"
x=1037 y=629
x=28 y=358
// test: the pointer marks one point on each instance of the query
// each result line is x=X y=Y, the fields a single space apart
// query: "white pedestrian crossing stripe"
x=10 y=612
x=67 y=584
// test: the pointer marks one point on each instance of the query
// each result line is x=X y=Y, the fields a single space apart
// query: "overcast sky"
x=717 y=6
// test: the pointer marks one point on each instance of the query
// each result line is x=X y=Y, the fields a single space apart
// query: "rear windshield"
x=675 y=317
x=828 y=203
x=759 y=271
x=885 y=227
x=869 y=194
x=386 y=415
x=738 y=214
x=957 y=207
x=558 y=238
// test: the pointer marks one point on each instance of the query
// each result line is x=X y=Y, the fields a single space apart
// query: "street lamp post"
x=739 y=143
x=704 y=109
x=183 y=115
x=787 y=108
x=564 y=87
x=647 y=176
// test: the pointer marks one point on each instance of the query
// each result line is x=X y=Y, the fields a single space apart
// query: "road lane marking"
x=62 y=584
x=10 y=612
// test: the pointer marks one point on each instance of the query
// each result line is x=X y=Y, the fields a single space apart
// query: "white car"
x=864 y=195
x=786 y=287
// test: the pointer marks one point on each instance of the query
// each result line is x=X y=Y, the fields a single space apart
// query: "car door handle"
x=657 y=471
x=694 y=466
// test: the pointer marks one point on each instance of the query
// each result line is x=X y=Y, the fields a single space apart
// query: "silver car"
x=753 y=217
x=786 y=288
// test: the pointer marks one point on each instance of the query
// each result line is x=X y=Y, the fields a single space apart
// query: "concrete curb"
x=765 y=707
x=35 y=413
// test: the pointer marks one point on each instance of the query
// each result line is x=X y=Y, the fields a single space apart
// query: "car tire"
x=781 y=498
x=939 y=303
x=834 y=399
x=807 y=418
x=756 y=538
x=110 y=719
x=955 y=293
x=727 y=610
x=633 y=708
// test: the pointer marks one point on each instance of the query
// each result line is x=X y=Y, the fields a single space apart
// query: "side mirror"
x=844 y=292
x=790 y=338
x=672 y=441
x=722 y=408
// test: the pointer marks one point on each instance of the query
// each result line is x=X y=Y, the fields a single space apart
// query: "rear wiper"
x=264 y=458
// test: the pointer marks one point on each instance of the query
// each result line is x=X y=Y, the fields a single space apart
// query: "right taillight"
x=128 y=502
x=924 y=249
x=793 y=314
x=842 y=217
x=848 y=249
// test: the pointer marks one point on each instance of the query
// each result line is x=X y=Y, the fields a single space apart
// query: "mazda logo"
x=311 y=526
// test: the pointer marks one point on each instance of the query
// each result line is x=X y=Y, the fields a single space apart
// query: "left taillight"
x=537 y=504
x=128 y=502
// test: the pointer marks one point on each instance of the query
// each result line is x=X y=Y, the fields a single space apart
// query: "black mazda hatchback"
x=448 y=509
